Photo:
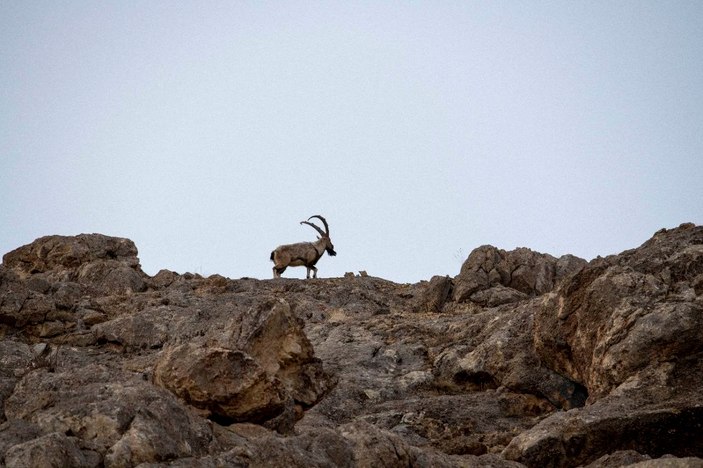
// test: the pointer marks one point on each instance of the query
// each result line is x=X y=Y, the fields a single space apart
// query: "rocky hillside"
x=523 y=359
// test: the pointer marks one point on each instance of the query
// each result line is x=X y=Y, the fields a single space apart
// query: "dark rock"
x=436 y=294
x=51 y=450
x=15 y=432
x=618 y=459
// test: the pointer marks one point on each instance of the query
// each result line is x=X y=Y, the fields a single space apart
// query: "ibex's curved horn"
x=316 y=228
x=327 y=228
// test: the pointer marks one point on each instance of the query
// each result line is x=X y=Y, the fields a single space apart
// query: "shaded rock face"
x=523 y=359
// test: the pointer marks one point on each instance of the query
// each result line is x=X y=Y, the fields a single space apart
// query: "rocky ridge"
x=523 y=359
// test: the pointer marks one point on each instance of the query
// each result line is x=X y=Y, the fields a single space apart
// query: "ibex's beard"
x=331 y=252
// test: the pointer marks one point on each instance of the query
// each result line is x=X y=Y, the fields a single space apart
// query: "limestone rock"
x=526 y=272
x=160 y=430
x=229 y=384
x=273 y=336
x=99 y=261
x=498 y=351
x=627 y=328
x=523 y=359
x=53 y=449
x=623 y=314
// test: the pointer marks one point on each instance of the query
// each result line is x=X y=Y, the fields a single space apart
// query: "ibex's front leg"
x=314 y=272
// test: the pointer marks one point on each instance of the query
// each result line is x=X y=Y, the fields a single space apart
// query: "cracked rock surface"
x=523 y=359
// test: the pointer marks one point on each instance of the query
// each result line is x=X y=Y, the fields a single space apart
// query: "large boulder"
x=271 y=334
x=230 y=385
x=46 y=282
x=584 y=435
x=524 y=272
x=256 y=365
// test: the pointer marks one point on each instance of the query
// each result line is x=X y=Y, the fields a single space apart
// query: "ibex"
x=303 y=253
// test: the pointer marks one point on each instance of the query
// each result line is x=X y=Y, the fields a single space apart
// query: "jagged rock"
x=108 y=367
x=496 y=350
x=68 y=252
x=103 y=407
x=374 y=447
x=20 y=306
x=159 y=431
x=16 y=432
x=436 y=294
x=497 y=295
x=163 y=279
x=227 y=383
x=624 y=313
x=264 y=361
x=15 y=360
x=522 y=270
x=109 y=264
x=271 y=334
x=618 y=459
x=53 y=449
x=138 y=331
x=626 y=327
x=61 y=270
x=583 y=435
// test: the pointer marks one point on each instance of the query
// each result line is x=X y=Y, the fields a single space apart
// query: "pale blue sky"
x=206 y=131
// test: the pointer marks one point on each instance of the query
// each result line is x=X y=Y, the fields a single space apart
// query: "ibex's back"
x=303 y=253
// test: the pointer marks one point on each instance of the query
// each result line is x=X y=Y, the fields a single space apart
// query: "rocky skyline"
x=522 y=359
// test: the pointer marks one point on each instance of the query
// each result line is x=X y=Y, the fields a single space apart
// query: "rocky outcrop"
x=496 y=351
x=523 y=359
x=627 y=328
x=624 y=314
x=492 y=276
x=100 y=263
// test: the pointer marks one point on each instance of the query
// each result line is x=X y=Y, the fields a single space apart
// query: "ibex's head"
x=324 y=235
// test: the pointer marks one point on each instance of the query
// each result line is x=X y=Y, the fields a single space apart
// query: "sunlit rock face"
x=523 y=359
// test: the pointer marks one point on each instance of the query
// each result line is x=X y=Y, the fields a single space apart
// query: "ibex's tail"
x=272 y=252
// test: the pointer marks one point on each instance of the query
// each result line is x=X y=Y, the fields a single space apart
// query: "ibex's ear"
x=318 y=237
